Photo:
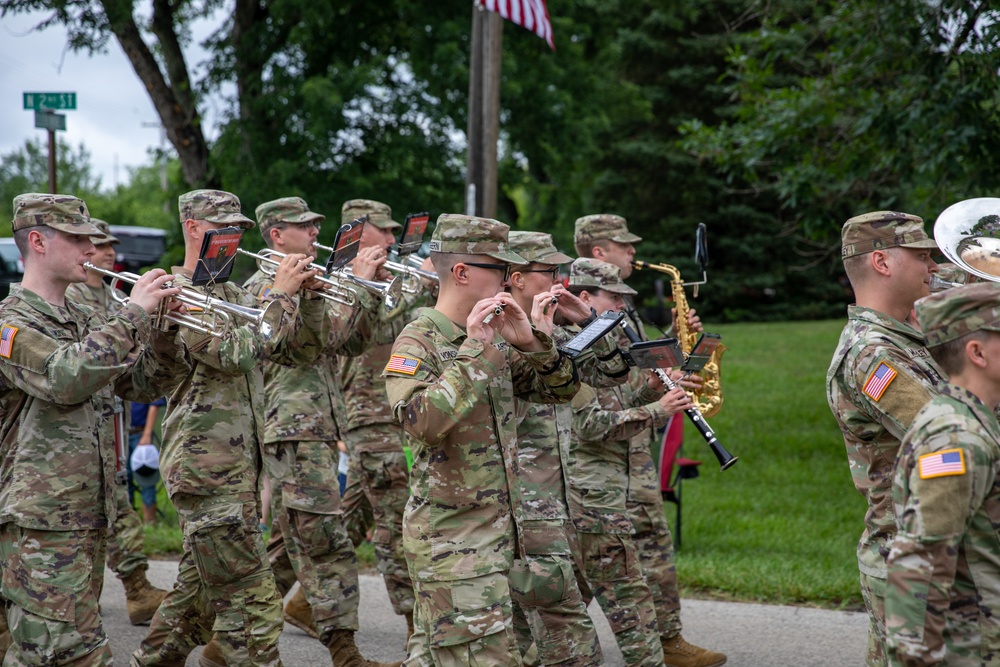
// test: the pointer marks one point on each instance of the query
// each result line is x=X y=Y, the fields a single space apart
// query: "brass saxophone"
x=708 y=399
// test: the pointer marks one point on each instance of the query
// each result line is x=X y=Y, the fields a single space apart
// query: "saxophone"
x=708 y=399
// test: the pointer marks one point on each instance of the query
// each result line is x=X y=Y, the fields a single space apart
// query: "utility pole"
x=484 y=112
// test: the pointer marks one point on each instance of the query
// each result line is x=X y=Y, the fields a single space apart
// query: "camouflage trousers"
x=549 y=609
x=612 y=568
x=463 y=622
x=310 y=544
x=126 y=537
x=377 y=490
x=48 y=587
x=655 y=547
x=873 y=593
x=224 y=587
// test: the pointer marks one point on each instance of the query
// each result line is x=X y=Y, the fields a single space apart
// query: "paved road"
x=751 y=635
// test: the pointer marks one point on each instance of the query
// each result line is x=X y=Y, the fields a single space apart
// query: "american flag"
x=7 y=333
x=530 y=14
x=402 y=364
x=939 y=464
x=879 y=380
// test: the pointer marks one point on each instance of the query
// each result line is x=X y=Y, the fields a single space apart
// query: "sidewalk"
x=752 y=635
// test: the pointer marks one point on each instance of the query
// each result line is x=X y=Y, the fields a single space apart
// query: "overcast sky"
x=112 y=103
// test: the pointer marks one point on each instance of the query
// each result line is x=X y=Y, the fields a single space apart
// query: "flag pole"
x=484 y=112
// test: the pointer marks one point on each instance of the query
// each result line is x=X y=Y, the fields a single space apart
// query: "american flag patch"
x=879 y=381
x=402 y=364
x=7 y=333
x=264 y=292
x=941 y=464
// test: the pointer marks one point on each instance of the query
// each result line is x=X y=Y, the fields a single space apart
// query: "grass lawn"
x=781 y=525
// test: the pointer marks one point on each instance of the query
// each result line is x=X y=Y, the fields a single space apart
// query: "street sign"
x=47 y=120
x=39 y=101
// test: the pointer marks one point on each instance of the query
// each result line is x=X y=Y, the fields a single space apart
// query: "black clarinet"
x=726 y=460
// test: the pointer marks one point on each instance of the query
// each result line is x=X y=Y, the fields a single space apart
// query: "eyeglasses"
x=506 y=268
x=554 y=272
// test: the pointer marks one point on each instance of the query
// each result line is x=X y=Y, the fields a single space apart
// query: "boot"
x=345 y=652
x=141 y=597
x=299 y=614
x=677 y=652
x=211 y=655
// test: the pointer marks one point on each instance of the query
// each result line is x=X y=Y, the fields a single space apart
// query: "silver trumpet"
x=411 y=275
x=206 y=314
x=336 y=284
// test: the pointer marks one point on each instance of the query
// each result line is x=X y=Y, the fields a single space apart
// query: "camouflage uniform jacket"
x=601 y=455
x=213 y=426
x=872 y=342
x=943 y=594
x=458 y=409
x=57 y=458
x=361 y=376
x=543 y=449
x=300 y=400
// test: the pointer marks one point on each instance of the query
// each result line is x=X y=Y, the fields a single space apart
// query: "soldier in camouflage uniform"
x=377 y=479
x=451 y=380
x=301 y=432
x=943 y=590
x=126 y=536
x=606 y=237
x=604 y=421
x=549 y=606
x=880 y=376
x=61 y=365
x=211 y=458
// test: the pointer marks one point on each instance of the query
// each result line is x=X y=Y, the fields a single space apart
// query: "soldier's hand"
x=542 y=311
x=692 y=382
x=515 y=327
x=570 y=306
x=368 y=262
x=292 y=271
x=675 y=401
x=151 y=288
x=694 y=322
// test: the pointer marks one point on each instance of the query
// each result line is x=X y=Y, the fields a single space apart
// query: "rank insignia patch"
x=879 y=381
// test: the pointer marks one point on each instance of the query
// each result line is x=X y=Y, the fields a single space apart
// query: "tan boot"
x=141 y=597
x=677 y=652
x=345 y=652
x=211 y=655
x=299 y=613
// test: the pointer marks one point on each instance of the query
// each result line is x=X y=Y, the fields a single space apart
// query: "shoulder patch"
x=942 y=464
x=7 y=333
x=400 y=363
x=879 y=381
x=264 y=291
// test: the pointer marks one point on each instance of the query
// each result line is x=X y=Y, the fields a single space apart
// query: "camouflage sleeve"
x=600 y=366
x=544 y=377
x=591 y=421
x=933 y=511
x=160 y=367
x=431 y=402
x=66 y=372
x=301 y=338
x=885 y=384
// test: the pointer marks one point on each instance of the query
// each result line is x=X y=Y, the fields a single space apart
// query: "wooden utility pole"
x=484 y=112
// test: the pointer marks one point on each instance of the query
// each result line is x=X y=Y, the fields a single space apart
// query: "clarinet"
x=726 y=460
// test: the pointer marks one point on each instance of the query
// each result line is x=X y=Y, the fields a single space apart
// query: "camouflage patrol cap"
x=953 y=313
x=537 y=247
x=63 y=212
x=469 y=235
x=588 y=272
x=866 y=233
x=107 y=237
x=293 y=210
x=218 y=206
x=603 y=227
x=379 y=214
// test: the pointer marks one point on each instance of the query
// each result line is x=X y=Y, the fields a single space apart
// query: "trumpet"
x=411 y=275
x=207 y=314
x=334 y=288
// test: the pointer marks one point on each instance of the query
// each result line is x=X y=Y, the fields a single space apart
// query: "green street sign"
x=48 y=120
x=39 y=101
